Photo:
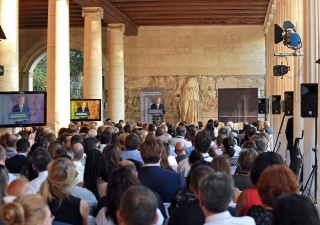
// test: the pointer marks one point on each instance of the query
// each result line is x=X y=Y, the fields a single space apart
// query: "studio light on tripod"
x=280 y=70
x=287 y=35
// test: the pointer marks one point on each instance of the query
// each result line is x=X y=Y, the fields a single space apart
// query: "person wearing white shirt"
x=40 y=160
x=202 y=142
x=215 y=193
x=78 y=150
x=180 y=134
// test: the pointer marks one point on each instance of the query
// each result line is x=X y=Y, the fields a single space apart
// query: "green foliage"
x=76 y=68
x=40 y=75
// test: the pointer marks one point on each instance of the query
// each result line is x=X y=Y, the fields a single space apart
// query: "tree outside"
x=76 y=74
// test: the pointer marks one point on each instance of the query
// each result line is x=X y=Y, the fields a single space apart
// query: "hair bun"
x=13 y=213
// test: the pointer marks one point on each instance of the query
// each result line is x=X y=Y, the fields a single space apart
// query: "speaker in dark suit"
x=21 y=107
x=309 y=100
x=158 y=105
x=83 y=108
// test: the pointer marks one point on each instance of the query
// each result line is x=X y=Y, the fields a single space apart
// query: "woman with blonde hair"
x=29 y=209
x=56 y=191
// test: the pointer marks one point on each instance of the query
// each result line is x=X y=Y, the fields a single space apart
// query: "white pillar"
x=58 y=64
x=9 y=48
x=92 y=57
x=116 y=101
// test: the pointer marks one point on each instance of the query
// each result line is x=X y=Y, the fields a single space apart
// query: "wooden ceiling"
x=33 y=13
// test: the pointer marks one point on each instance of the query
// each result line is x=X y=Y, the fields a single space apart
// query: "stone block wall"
x=219 y=56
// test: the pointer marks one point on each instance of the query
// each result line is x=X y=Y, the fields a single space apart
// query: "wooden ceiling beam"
x=114 y=15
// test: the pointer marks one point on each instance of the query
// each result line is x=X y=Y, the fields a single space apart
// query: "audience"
x=112 y=153
x=245 y=160
x=138 y=206
x=40 y=160
x=269 y=189
x=21 y=212
x=294 y=209
x=160 y=163
x=56 y=191
x=215 y=193
x=119 y=181
x=159 y=180
x=250 y=196
x=19 y=160
x=96 y=173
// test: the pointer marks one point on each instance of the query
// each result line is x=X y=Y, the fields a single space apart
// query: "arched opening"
x=76 y=73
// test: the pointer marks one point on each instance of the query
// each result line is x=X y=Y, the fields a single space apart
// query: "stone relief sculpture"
x=189 y=101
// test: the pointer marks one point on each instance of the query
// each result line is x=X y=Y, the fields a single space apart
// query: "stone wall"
x=219 y=56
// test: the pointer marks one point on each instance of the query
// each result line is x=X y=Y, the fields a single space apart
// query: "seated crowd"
x=148 y=174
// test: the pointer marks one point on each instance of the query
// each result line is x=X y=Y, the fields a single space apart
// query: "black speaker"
x=276 y=106
x=263 y=106
x=309 y=100
x=288 y=103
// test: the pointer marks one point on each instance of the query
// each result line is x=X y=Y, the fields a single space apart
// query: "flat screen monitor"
x=85 y=109
x=23 y=109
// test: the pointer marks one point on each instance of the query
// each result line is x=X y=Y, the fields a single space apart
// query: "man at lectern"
x=158 y=105
x=21 y=107
x=83 y=108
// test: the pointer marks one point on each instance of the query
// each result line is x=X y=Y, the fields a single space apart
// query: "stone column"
x=58 y=64
x=9 y=48
x=92 y=57
x=116 y=101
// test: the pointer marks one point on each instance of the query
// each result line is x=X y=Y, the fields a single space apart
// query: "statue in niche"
x=189 y=101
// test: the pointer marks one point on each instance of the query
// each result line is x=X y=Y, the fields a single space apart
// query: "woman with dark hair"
x=228 y=151
x=294 y=209
x=119 y=181
x=96 y=173
x=28 y=171
x=112 y=153
x=276 y=180
x=245 y=160
x=250 y=196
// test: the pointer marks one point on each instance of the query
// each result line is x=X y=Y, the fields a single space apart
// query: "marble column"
x=92 y=57
x=58 y=64
x=116 y=98
x=9 y=48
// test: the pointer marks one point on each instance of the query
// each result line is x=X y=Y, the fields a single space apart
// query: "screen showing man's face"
x=21 y=102
x=158 y=101
x=83 y=104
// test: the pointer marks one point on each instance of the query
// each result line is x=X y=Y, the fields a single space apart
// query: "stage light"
x=287 y=35
x=280 y=70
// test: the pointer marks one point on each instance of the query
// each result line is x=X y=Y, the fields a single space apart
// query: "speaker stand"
x=314 y=172
x=274 y=148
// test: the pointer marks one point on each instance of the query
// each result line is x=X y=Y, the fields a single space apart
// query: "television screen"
x=23 y=109
x=85 y=109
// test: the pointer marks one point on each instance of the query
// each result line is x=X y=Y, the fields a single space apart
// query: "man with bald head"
x=11 y=146
x=180 y=150
x=20 y=186
x=78 y=150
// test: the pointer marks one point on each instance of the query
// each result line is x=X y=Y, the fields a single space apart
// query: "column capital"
x=116 y=26
x=97 y=11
